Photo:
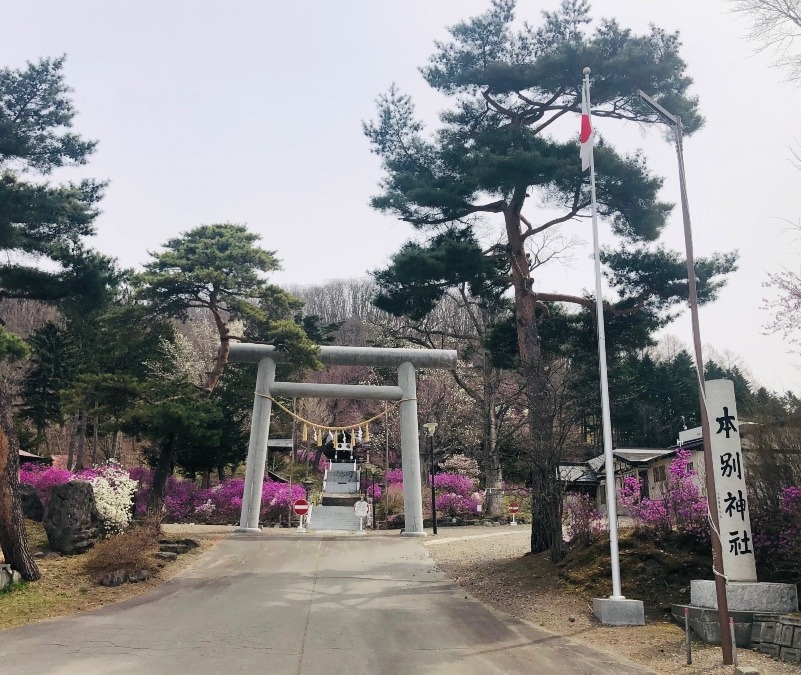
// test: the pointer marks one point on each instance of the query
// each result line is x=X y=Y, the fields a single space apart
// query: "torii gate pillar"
x=406 y=392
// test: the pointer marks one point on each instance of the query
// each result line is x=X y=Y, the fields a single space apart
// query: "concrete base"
x=614 y=612
x=704 y=623
x=746 y=596
x=248 y=529
x=414 y=534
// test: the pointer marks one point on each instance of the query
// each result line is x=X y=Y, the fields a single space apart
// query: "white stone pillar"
x=410 y=453
x=257 y=448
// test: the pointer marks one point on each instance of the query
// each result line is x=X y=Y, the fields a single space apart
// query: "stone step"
x=333 y=518
x=340 y=499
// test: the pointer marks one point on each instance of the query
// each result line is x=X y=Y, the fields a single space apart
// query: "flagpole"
x=606 y=417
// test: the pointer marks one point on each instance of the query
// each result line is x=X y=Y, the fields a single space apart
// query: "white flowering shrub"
x=461 y=464
x=205 y=509
x=114 y=490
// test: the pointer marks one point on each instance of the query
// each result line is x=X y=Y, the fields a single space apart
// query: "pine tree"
x=494 y=156
x=38 y=220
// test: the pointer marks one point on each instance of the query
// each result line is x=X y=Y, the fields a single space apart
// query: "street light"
x=430 y=428
x=717 y=553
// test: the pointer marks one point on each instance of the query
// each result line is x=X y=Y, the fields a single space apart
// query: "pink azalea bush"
x=374 y=492
x=683 y=508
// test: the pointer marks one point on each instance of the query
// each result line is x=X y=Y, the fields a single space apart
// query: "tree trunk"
x=221 y=473
x=155 y=504
x=113 y=451
x=206 y=484
x=94 y=441
x=318 y=455
x=81 y=443
x=13 y=537
x=492 y=459
x=546 y=526
x=222 y=351
x=73 y=435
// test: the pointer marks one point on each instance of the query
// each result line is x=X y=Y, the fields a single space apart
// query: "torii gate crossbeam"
x=406 y=392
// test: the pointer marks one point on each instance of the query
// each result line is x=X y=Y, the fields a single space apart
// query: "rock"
x=16 y=577
x=571 y=619
x=173 y=547
x=5 y=575
x=166 y=555
x=139 y=576
x=70 y=519
x=39 y=554
x=188 y=543
x=116 y=578
x=32 y=507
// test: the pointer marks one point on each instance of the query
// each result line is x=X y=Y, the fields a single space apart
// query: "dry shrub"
x=132 y=550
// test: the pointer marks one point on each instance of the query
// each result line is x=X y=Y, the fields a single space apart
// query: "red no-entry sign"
x=514 y=507
x=301 y=507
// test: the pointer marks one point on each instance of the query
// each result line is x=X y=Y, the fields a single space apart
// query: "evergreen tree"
x=51 y=372
x=217 y=268
x=38 y=220
x=494 y=156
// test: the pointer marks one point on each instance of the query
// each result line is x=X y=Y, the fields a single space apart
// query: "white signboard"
x=362 y=509
x=727 y=461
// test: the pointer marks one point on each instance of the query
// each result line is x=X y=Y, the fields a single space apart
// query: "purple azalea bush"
x=683 y=508
x=374 y=492
x=455 y=505
x=777 y=536
x=453 y=483
x=582 y=520
x=184 y=500
x=43 y=478
x=394 y=477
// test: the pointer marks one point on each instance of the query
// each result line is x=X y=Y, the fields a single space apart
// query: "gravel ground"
x=482 y=561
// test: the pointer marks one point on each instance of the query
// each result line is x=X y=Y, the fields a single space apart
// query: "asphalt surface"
x=282 y=602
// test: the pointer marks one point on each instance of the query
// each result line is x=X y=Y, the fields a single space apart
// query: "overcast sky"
x=251 y=112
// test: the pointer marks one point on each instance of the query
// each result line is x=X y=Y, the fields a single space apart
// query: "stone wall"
x=777 y=635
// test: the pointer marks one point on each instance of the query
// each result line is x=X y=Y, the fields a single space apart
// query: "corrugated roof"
x=23 y=453
x=577 y=473
x=634 y=456
x=641 y=455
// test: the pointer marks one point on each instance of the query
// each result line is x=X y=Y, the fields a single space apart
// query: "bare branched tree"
x=776 y=28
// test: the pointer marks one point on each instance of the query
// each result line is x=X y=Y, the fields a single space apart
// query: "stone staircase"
x=340 y=493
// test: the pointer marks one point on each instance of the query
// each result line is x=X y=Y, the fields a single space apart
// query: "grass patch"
x=68 y=587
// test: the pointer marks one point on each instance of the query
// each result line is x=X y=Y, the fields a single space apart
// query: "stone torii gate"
x=406 y=360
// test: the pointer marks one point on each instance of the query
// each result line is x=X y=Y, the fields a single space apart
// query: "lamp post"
x=430 y=428
x=372 y=499
x=717 y=554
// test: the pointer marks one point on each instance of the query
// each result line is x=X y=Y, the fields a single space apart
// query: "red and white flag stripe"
x=587 y=134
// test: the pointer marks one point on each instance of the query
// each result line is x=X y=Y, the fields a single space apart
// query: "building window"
x=660 y=474
x=690 y=467
x=602 y=495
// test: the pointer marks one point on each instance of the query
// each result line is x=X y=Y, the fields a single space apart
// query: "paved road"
x=280 y=603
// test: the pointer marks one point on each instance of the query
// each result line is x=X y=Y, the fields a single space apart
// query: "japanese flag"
x=586 y=136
